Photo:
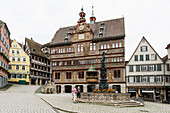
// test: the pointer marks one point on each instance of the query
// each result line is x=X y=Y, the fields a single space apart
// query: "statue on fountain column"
x=103 y=81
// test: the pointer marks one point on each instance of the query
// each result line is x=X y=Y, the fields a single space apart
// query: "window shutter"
x=155 y=57
x=146 y=48
x=141 y=78
x=162 y=78
x=140 y=48
x=155 y=78
x=25 y=76
x=134 y=79
x=141 y=68
x=14 y=76
x=148 y=68
x=155 y=67
x=128 y=78
x=20 y=76
x=148 y=79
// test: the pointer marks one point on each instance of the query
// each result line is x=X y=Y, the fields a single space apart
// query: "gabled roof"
x=165 y=58
x=114 y=27
x=168 y=46
x=35 y=48
x=1 y=23
x=138 y=47
x=17 y=42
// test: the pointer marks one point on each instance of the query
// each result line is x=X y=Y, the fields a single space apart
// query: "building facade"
x=4 y=53
x=145 y=72
x=167 y=74
x=19 y=67
x=74 y=49
x=39 y=62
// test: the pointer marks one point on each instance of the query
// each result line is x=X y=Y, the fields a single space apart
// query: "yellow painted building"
x=19 y=66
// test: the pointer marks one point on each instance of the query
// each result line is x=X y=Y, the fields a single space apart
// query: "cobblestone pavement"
x=64 y=102
x=21 y=99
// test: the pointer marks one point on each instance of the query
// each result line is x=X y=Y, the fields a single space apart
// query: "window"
x=17 y=67
x=141 y=57
x=113 y=45
x=153 y=57
x=69 y=63
x=99 y=60
x=10 y=67
x=136 y=57
x=151 y=79
x=120 y=44
x=13 y=58
x=131 y=68
x=144 y=78
x=147 y=57
x=137 y=78
x=68 y=75
x=102 y=46
x=143 y=67
x=131 y=79
x=116 y=73
x=158 y=78
x=23 y=67
x=121 y=59
x=24 y=76
x=107 y=59
x=111 y=59
x=168 y=67
x=167 y=78
x=117 y=45
x=92 y=46
x=13 y=51
x=80 y=61
x=18 y=59
x=159 y=67
x=108 y=46
x=115 y=59
x=151 y=68
x=81 y=75
x=80 y=47
x=75 y=62
x=137 y=68
x=58 y=63
x=14 y=45
x=144 y=48
x=18 y=76
x=24 y=59
x=57 y=75
x=64 y=63
x=87 y=61
x=17 y=51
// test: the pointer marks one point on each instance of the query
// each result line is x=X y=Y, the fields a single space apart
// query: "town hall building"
x=74 y=49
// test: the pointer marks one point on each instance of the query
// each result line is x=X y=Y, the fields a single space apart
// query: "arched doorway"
x=68 y=88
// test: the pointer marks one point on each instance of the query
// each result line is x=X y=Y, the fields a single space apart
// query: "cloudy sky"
x=40 y=19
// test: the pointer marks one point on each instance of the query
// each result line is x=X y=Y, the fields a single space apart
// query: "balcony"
x=92 y=79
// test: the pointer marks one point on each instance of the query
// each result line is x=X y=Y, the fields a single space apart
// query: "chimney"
x=168 y=50
x=31 y=38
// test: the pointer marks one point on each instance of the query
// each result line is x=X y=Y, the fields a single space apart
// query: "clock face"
x=81 y=27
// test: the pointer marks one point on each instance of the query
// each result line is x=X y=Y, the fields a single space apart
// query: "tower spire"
x=92 y=18
x=82 y=16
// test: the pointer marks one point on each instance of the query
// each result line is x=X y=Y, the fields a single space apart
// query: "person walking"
x=74 y=95
x=78 y=94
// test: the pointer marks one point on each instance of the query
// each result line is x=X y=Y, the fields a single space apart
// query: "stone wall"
x=105 y=97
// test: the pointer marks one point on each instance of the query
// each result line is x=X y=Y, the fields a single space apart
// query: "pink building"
x=4 y=53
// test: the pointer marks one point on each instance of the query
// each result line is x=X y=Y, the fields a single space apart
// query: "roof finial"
x=82 y=9
x=92 y=15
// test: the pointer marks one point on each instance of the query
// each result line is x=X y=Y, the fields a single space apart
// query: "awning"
x=147 y=91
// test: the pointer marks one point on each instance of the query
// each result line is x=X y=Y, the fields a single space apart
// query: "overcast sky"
x=40 y=19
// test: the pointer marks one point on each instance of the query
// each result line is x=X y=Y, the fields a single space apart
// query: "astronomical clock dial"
x=81 y=27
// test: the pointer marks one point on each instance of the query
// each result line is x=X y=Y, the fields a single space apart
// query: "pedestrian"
x=78 y=94
x=74 y=94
